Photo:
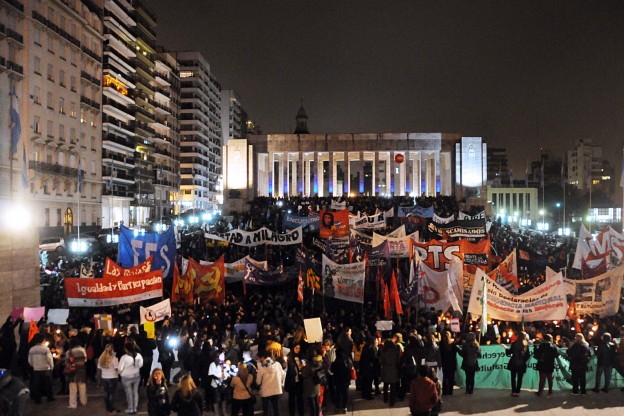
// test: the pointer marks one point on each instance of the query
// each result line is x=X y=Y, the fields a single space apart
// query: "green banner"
x=493 y=373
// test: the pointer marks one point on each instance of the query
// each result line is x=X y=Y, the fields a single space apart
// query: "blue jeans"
x=110 y=384
x=131 y=388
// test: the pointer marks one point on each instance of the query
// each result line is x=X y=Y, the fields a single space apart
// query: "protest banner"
x=113 y=291
x=112 y=269
x=599 y=295
x=156 y=312
x=546 y=302
x=343 y=281
x=258 y=237
x=208 y=280
x=415 y=210
x=334 y=224
x=136 y=247
x=438 y=254
x=310 y=222
x=399 y=246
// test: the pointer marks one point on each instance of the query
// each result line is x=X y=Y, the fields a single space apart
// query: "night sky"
x=521 y=74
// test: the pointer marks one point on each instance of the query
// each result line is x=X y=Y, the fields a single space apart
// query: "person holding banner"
x=606 y=354
x=579 y=355
x=519 y=356
x=470 y=352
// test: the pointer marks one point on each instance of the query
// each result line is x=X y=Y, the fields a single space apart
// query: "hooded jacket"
x=270 y=377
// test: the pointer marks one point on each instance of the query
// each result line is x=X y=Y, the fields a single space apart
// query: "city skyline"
x=522 y=76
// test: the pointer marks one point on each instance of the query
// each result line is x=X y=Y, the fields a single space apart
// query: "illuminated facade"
x=339 y=164
x=470 y=167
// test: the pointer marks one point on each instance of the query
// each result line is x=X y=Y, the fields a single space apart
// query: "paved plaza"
x=482 y=402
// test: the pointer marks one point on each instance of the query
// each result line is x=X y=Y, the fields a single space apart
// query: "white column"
x=402 y=175
x=388 y=172
x=375 y=164
x=271 y=174
x=332 y=174
x=319 y=173
x=280 y=180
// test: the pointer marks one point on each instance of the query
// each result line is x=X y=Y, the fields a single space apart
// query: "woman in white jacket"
x=270 y=377
x=129 y=369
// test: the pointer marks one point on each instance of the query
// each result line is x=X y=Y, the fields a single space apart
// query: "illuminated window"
x=186 y=74
x=116 y=84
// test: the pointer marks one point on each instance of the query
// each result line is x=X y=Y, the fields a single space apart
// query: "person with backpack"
x=129 y=370
x=76 y=373
x=606 y=353
x=470 y=352
x=546 y=354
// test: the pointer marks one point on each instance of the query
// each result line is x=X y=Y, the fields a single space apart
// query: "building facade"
x=54 y=51
x=587 y=168
x=339 y=165
x=200 y=130
x=119 y=77
x=233 y=116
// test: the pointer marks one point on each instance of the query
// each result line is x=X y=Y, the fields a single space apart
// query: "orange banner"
x=113 y=270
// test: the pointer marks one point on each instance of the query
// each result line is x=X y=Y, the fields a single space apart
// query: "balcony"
x=123 y=141
x=45 y=167
x=93 y=80
x=14 y=36
x=14 y=67
x=91 y=103
x=92 y=54
x=16 y=4
x=44 y=21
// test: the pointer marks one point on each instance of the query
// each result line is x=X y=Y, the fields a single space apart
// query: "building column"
x=271 y=174
x=374 y=182
x=300 y=176
x=388 y=174
x=318 y=180
x=402 y=177
x=332 y=174
x=280 y=180
x=361 y=171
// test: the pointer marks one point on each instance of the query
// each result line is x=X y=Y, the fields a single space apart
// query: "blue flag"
x=135 y=248
x=16 y=124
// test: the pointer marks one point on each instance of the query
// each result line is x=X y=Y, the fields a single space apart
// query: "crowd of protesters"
x=198 y=348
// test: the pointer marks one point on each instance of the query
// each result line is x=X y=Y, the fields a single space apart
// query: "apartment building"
x=200 y=129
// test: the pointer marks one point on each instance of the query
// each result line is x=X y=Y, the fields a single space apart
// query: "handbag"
x=253 y=398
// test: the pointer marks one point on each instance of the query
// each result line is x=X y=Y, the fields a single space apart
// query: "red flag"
x=209 y=280
x=394 y=289
x=33 y=330
x=386 y=302
x=183 y=287
x=300 y=287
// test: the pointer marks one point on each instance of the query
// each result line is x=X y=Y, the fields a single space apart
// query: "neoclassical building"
x=349 y=164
